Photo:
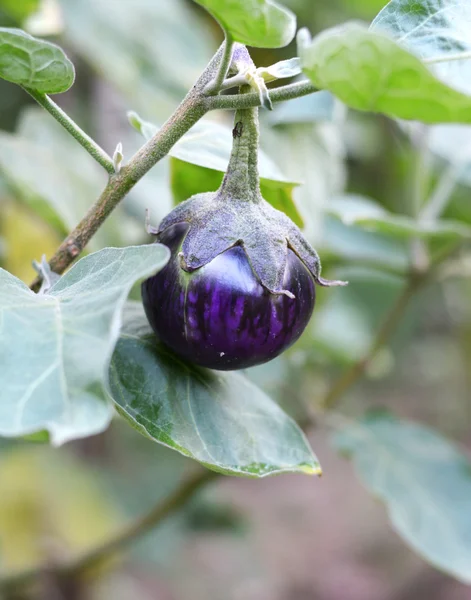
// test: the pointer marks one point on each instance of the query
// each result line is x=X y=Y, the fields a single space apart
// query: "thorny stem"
x=83 y=139
x=93 y=558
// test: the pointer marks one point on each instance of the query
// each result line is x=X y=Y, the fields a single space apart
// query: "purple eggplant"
x=220 y=316
x=240 y=286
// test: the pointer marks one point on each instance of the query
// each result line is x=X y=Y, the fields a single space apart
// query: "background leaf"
x=319 y=106
x=56 y=189
x=436 y=31
x=55 y=348
x=49 y=495
x=219 y=419
x=353 y=209
x=424 y=481
x=18 y=10
x=152 y=52
x=371 y=72
x=258 y=23
x=34 y=63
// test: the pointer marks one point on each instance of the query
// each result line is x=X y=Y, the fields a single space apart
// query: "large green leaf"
x=425 y=483
x=208 y=145
x=34 y=63
x=219 y=419
x=370 y=71
x=363 y=212
x=259 y=23
x=437 y=31
x=55 y=348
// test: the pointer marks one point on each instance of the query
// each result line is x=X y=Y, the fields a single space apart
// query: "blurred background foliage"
x=319 y=540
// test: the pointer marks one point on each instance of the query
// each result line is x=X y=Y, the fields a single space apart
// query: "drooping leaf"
x=258 y=23
x=34 y=63
x=219 y=419
x=436 y=31
x=208 y=145
x=55 y=348
x=353 y=209
x=425 y=483
x=371 y=72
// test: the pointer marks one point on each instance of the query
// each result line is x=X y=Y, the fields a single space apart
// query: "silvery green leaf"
x=55 y=348
x=424 y=482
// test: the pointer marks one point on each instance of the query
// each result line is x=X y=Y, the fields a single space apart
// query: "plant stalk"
x=82 y=138
x=279 y=94
x=242 y=179
x=215 y=86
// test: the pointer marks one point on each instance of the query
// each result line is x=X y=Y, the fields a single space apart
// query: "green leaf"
x=34 y=63
x=425 y=483
x=208 y=145
x=55 y=348
x=258 y=23
x=353 y=209
x=371 y=72
x=19 y=11
x=219 y=419
x=436 y=32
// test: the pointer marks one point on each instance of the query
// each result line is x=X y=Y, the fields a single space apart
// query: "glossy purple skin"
x=220 y=316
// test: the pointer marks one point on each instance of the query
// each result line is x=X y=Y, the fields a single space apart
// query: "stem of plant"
x=93 y=558
x=215 y=86
x=280 y=94
x=83 y=139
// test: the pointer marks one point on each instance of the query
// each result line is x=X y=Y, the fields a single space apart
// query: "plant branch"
x=191 y=109
x=391 y=320
x=83 y=139
x=215 y=86
x=279 y=94
x=120 y=541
